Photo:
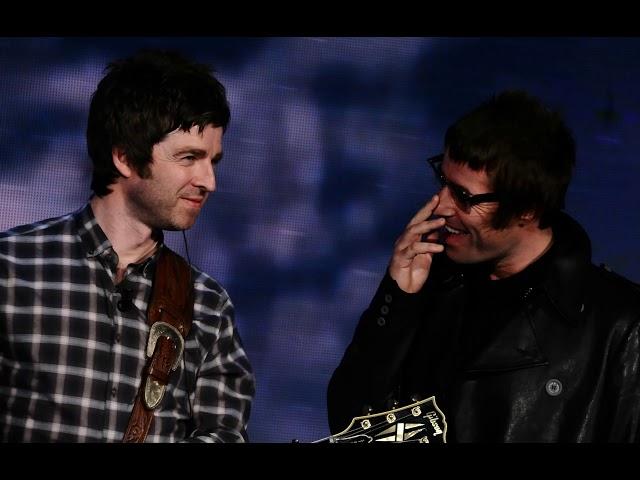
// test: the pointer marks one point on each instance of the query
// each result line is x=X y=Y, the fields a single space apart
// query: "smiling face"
x=182 y=177
x=468 y=236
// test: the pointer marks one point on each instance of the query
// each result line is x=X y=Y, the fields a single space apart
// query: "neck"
x=535 y=244
x=132 y=240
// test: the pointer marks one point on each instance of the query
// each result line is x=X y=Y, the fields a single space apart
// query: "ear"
x=121 y=162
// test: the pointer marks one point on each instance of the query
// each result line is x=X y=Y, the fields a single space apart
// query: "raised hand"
x=413 y=252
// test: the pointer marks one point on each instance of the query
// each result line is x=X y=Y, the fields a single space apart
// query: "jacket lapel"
x=514 y=347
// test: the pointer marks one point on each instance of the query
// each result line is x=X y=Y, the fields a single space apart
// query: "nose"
x=446 y=207
x=205 y=177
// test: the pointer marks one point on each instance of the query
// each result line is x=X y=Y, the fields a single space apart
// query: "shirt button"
x=388 y=298
x=384 y=309
x=118 y=337
x=114 y=391
x=381 y=321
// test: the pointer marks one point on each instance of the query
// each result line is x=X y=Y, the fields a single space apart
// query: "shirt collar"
x=93 y=238
x=95 y=241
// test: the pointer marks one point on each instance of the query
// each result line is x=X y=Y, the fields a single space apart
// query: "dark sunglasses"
x=463 y=199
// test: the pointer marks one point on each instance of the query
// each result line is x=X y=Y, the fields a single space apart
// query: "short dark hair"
x=525 y=148
x=140 y=100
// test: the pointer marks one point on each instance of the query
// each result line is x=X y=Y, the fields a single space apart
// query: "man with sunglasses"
x=491 y=303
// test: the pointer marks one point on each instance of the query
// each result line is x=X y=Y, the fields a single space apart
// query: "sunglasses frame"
x=463 y=198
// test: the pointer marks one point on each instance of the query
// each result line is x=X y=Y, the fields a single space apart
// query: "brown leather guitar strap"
x=169 y=315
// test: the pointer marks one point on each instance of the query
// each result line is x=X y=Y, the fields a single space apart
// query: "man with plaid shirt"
x=74 y=290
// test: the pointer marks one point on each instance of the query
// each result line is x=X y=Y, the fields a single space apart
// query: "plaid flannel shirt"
x=72 y=344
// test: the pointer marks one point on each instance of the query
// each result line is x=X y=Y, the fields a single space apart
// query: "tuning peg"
x=392 y=403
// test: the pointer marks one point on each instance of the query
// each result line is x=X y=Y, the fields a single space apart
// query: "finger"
x=433 y=237
x=405 y=256
x=426 y=211
x=419 y=248
x=426 y=226
x=417 y=232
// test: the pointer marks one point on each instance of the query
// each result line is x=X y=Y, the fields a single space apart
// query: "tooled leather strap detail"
x=170 y=314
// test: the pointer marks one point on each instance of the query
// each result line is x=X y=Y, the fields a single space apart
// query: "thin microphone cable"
x=184 y=362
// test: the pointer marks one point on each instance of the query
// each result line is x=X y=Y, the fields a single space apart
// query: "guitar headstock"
x=419 y=422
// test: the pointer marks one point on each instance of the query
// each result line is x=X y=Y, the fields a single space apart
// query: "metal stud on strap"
x=153 y=390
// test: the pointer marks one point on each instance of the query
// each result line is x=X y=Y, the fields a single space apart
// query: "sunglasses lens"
x=455 y=193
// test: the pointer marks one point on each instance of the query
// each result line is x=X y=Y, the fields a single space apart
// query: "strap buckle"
x=154 y=390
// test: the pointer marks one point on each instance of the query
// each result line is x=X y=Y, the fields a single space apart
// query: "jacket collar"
x=565 y=284
x=517 y=346
x=563 y=289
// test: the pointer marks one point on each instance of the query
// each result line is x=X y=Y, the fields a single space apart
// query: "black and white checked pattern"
x=71 y=356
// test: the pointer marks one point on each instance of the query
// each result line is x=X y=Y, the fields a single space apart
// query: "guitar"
x=419 y=422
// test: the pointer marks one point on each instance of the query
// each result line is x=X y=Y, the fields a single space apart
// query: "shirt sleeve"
x=369 y=370
x=225 y=384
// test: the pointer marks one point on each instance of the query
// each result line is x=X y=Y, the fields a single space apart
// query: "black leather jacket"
x=564 y=368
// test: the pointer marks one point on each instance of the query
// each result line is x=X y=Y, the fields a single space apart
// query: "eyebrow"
x=449 y=182
x=217 y=158
x=200 y=153
x=454 y=183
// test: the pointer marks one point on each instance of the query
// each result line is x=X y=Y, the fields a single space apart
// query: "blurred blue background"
x=323 y=167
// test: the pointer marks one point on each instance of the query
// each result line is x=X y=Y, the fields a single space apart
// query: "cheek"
x=481 y=232
x=478 y=221
x=170 y=180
